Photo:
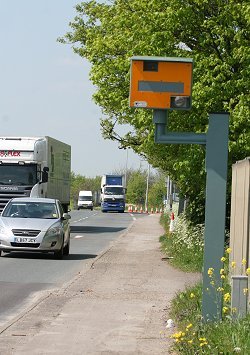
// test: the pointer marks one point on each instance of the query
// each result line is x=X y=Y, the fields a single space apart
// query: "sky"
x=45 y=88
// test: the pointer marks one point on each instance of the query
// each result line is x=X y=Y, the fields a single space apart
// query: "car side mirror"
x=66 y=216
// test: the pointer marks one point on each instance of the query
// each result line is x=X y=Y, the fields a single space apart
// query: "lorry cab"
x=85 y=200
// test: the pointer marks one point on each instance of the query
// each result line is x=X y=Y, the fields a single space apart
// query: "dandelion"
x=244 y=261
x=228 y=250
x=222 y=271
x=178 y=335
x=222 y=276
x=227 y=297
x=223 y=259
x=192 y=295
x=234 y=310
x=233 y=264
x=190 y=341
x=248 y=271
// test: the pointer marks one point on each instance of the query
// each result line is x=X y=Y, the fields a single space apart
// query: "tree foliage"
x=215 y=33
x=136 y=188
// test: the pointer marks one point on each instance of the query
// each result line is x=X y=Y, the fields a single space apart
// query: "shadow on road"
x=93 y=229
x=48 y=256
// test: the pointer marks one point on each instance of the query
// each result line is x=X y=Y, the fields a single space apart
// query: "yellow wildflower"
x=192 y=295
x=223 y=259
x=245 y=291
x=228 y=250
x=225 y=309
x=202 y=339
x=210 y=271
x=212 y=283
x=248 y=271
x=189 y=326
x=178 y=335
x=190 y=341
x=222 y=276
x=222 y=271
x=244 y=261
x=233 y=264
x=227 y=297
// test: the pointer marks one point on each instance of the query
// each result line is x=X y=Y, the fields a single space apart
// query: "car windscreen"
x=31 y=210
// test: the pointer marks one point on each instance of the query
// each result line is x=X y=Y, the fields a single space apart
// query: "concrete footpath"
x=118 y=304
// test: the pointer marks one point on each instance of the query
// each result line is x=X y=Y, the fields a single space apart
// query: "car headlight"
x=53 y=231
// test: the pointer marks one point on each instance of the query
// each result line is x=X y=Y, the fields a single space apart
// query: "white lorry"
x=113 y=193
x=85 y=200
x=35 y=167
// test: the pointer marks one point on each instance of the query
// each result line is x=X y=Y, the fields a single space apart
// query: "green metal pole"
x=216 y=167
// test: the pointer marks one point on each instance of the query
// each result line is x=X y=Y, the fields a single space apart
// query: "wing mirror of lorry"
x=45 y=175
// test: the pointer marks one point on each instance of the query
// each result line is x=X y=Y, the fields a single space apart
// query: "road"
x=23 y=276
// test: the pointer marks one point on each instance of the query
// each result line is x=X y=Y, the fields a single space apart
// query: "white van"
x=85 y=200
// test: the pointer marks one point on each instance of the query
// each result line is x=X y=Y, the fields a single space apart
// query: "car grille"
x=25 y=232
x=25 y=245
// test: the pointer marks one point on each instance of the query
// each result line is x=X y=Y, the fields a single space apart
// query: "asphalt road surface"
x=23 y=276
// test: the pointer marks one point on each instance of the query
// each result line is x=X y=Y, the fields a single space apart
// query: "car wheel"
x=66 y=248
x=0 y=252
x=59 y=253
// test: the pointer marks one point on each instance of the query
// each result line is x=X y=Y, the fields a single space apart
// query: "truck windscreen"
x=114 y=190
x=19 y=175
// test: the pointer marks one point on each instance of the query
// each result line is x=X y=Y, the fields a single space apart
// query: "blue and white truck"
x=113 y=193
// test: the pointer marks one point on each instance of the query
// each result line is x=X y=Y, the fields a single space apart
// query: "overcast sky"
x=45 y=89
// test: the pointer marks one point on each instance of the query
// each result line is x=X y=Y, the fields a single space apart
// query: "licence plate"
x=24 y=240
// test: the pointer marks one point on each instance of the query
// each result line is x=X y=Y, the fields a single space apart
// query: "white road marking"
x=78 y=236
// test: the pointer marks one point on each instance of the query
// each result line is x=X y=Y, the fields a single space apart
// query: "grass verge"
x=228 y=336
x=184 y=247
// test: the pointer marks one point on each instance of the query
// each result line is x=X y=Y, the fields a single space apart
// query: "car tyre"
x=66 y=248
x=0 y=252
x=59 y=253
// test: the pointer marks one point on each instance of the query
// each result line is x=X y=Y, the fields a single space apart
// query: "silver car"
x=35 y=224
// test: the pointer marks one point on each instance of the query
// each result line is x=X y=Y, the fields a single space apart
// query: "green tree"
x=157 y=192
x=136 y=187
x=214 y=33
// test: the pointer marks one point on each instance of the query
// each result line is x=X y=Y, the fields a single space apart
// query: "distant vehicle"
x=35 y=225
x=35 y=167
x=113 y=193
x=85 y=200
